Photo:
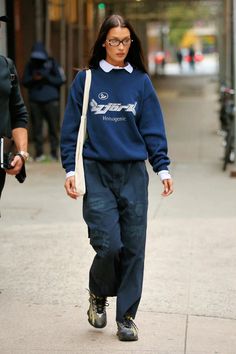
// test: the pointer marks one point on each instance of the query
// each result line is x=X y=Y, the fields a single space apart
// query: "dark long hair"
x=135 y=54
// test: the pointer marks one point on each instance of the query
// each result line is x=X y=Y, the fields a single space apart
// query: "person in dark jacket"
x=14 y=117
x=43 y=78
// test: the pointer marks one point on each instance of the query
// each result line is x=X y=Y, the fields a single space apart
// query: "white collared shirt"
x=107 y=67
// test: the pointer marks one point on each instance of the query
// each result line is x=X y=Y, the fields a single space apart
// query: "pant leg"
x=2 y=180
x=115 y=210
x=101 y=215
x=37 y=126
x=51 y=114
x=133 y=204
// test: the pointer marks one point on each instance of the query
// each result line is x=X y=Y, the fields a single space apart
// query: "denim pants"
x=115 y=210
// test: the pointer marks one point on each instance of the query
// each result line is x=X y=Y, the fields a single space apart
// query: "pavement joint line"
x=80 y=351
x=186 y=335
x=190 y=315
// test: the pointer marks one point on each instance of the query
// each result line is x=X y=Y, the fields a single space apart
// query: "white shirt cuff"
x=70 y=174
x=164 y=174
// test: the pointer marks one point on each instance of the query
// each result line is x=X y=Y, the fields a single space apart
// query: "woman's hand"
x=168 y=187
x=70 y=187
x=16 y=164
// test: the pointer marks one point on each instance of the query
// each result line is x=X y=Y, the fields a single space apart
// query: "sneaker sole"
x=127 y=339
x=95 y=326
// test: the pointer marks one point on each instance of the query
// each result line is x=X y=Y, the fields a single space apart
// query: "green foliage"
x=181 y=17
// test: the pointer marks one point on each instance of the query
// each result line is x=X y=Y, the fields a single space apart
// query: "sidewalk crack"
x=186 y=335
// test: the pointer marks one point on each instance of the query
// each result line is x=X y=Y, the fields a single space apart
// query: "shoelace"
x=100 y=303
x=128 y=322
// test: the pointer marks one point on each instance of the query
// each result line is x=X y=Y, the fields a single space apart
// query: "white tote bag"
x=79 y=166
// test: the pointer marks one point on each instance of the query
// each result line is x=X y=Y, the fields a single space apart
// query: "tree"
x=181 y=17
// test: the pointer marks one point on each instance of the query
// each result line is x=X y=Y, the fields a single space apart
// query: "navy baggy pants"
x=115 y=210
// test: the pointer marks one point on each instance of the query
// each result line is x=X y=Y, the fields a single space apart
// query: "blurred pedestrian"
x=125 y=127
x=13 y=121
x=179 y=57
x=160 y=62
x=191 y=54
x=43 y=78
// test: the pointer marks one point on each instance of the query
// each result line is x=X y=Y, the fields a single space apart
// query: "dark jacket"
x=42 y=76
x=13 y=113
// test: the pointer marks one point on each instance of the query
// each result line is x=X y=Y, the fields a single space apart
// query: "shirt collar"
x=107 y=67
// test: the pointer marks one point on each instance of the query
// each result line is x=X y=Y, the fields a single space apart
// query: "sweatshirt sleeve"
x=19 y=115
x=71 y=122
x=152 y=129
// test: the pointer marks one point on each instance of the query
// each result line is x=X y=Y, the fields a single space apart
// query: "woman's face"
x=116 y=54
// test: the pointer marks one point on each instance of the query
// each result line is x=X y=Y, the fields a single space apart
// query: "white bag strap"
x=83 y=120
x=79 y=168
x=86 y=92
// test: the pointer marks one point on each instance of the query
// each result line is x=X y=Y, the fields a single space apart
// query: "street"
x=208 y=66
x=189 y=294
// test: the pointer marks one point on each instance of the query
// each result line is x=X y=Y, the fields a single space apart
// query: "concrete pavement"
x=189 y=297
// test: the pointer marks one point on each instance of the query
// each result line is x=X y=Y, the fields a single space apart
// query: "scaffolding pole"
x=48 y=29
x=233 y=172
x=38 y=20
x=81 y=34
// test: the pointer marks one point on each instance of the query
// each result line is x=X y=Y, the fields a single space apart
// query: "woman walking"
x=125 y=127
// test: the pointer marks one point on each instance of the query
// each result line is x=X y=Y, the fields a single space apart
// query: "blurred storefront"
x=68 y=29
x=3 y=42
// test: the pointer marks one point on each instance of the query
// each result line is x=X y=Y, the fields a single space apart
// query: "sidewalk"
x=189 y=296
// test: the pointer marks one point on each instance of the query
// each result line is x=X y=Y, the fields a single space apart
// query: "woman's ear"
x=104 y=45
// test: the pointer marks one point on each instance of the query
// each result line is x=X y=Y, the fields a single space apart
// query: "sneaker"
x=127 y=330
x=40 y=158
x=97 y=316
x=53 y=158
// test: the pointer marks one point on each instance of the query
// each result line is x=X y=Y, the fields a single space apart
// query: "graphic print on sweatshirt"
x=102 y=109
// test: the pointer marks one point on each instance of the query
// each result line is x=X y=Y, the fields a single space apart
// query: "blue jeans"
x=115 y=210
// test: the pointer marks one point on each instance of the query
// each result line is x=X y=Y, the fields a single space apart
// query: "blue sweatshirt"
x=124 y=120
